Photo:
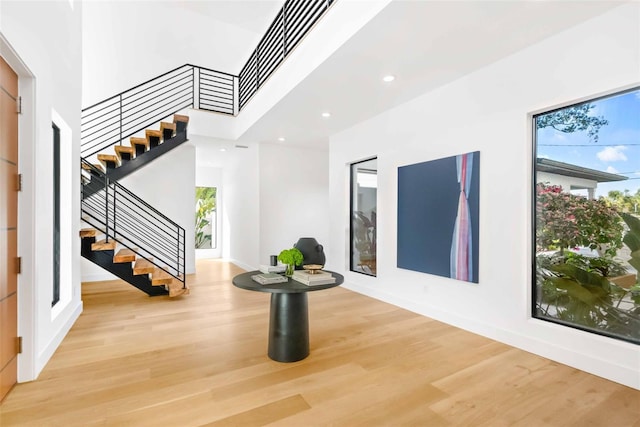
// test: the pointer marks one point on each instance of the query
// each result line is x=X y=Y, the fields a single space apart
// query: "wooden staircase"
x=99 y=180
x=130 y=266
x=126 y=159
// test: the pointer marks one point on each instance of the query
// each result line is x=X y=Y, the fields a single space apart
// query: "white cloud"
x=559 y=136
x=612 y=154
x=611 y=169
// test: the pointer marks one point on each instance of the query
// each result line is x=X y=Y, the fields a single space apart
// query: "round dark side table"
x=289 y=318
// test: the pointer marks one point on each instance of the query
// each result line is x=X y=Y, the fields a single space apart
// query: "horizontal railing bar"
x=133 y=213
x=271 y=64
x=252 y=60
x=100 y=137
x=209 y=69
x=217 y=110
x=138 y=125
x=159 y=104
x=299 y=30
x=109 y=115
x=85 y=118
x=276 y=49
x=86 y=113
x=135 y=87
x=147 y=212
x=148 y=106
x=184 y=103
x=213 y=102
x=131 y=226
x=219 y=79
x=223 y=95
x=204 y=86
x=169 y=79
x=111 y=120
x=222 y=79
x=142 y=202
x=150 y=97
x=212 y=94
x=151 y=257
x=140 y=239
x=182 y=82
x=154 y=246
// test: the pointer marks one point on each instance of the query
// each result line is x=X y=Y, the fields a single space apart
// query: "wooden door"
x=8 y=228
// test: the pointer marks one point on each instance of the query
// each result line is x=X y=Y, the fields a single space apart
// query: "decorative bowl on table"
x=312 y=268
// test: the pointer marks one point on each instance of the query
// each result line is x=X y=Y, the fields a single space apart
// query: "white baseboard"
x=43 y=358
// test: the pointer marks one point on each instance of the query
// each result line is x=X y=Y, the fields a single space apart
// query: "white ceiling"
x=251 y=15
x=425 y=44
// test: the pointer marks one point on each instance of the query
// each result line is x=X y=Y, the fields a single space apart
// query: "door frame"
x=27 y=370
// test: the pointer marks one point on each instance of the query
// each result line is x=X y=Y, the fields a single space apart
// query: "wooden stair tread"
x=160 y=277
x=88 y=232
x=103 y=245
x=88 y=168
x=176 y=288
x=143 y=266
x=180 y=118
x=124 y=255
x=167 y=125
x=153 y=132
x=119 y=149
x=106 y=158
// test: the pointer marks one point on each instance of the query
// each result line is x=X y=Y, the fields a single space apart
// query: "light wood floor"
x=201 y=360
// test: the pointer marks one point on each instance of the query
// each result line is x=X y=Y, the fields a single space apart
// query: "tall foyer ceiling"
x=425 y=44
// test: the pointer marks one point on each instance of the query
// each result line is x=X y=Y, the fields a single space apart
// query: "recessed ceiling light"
x=223 y=149
x=281 y=139
x=388 y=78
x=326 y=114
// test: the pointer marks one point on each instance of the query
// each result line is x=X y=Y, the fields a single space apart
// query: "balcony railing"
x=292 y=23
x=111 y=121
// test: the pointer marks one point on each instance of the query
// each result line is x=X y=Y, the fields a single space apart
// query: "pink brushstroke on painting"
x=461 y=259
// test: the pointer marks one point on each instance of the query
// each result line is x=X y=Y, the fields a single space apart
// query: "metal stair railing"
x=133 y=223
x=114 y=119
x=292 y=23
x=111 y=121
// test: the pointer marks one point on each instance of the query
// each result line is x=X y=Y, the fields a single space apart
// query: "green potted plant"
x=290 y=257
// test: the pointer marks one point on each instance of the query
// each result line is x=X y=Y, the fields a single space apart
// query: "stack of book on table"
x=316 y=278
x=273 y=268
x=269 y=278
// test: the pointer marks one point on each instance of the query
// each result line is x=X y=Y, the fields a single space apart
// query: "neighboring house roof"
x=575 y=171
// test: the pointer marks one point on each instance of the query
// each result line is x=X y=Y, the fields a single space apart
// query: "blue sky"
x=618 y=148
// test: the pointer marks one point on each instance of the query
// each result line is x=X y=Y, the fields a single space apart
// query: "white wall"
x=294 y=197
x=489 y=110
x=241 y=200
x=45 y=49
x=124 y=46
x=566 y=182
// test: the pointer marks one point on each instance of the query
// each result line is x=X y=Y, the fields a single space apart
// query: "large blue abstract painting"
x=438 y=209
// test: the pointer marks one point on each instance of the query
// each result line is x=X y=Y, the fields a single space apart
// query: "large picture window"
x=364 y=199
x=587 y=215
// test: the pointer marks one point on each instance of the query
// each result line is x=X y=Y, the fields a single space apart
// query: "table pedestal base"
x=289 y=327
